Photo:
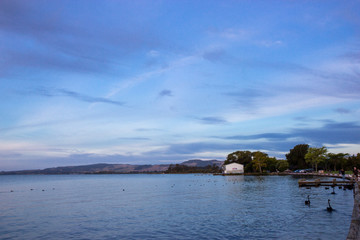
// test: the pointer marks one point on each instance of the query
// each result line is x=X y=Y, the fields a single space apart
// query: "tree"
x=326 y=163
x=249 y=167
x=344 y=159
x=353 y=161
x=282 y=165
x=181 y=168
x=314 y=156
x=336 y=158
x=296 y=156
x=271 y=164
x=259 y=160
x=242 y=157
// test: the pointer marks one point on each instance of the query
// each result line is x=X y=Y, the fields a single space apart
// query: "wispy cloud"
x=145 y=76
x=165 y=93
x=193 y=148
x=331 y=133
x=133 y=139
x=149 y=129
x=213 y=120
x=215 y=55
x=56 y=92
x=267 y=43
x=342 y=110
x=234 y=34
x=265 y=136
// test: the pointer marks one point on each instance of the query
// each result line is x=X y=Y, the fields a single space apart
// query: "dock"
x=333 y=183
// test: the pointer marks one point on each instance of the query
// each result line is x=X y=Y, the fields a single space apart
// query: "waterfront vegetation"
x=180 y=168
x=302 y=156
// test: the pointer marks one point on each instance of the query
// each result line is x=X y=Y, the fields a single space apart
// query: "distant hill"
x=104 y=168
x=202 y=163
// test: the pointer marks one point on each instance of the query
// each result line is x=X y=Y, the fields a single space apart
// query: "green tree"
x=326 y=163
x=296 y=156
x=314 y=156
x=249 y=167
x=271 y=164
x=282 y=165
x=259 y=160
x=353 y=161
x=338 y=158
x=344 y=159
x=242 y=157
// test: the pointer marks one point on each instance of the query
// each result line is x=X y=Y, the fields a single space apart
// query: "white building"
x=232 y=168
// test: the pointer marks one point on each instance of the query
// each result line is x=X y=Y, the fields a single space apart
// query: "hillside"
x=202 y=163
x=112 y=168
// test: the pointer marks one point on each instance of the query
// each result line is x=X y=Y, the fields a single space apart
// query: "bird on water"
x=307 y=202
x=329 y=208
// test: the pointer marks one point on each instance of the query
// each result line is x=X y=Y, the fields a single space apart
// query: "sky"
x=159 y=82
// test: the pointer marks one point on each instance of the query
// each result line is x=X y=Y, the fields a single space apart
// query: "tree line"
x=302 y=156
x=257 y=161
x=181 y=168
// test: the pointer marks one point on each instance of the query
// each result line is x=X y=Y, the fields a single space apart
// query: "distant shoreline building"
x=233 y=168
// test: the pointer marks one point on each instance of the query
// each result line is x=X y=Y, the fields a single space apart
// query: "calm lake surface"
x=165 y=206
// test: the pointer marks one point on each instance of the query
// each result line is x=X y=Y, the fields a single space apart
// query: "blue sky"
x=152 y=82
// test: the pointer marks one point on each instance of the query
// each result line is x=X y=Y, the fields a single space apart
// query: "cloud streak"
x=165 y=93
x=213 y=120
x=60 y=92
x=331 y=133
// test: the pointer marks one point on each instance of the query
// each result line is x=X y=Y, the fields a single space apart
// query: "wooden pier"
x=333 y=183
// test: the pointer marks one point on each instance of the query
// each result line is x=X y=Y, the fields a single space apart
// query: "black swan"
x=329 y=208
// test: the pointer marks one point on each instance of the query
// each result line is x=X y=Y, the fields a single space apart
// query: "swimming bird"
x=329 y=208
x=307 y=202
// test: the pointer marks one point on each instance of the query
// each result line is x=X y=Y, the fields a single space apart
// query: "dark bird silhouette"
x=329 y=208
x=307 y=202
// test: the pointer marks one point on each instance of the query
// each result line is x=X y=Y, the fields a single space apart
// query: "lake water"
x=165 y=206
